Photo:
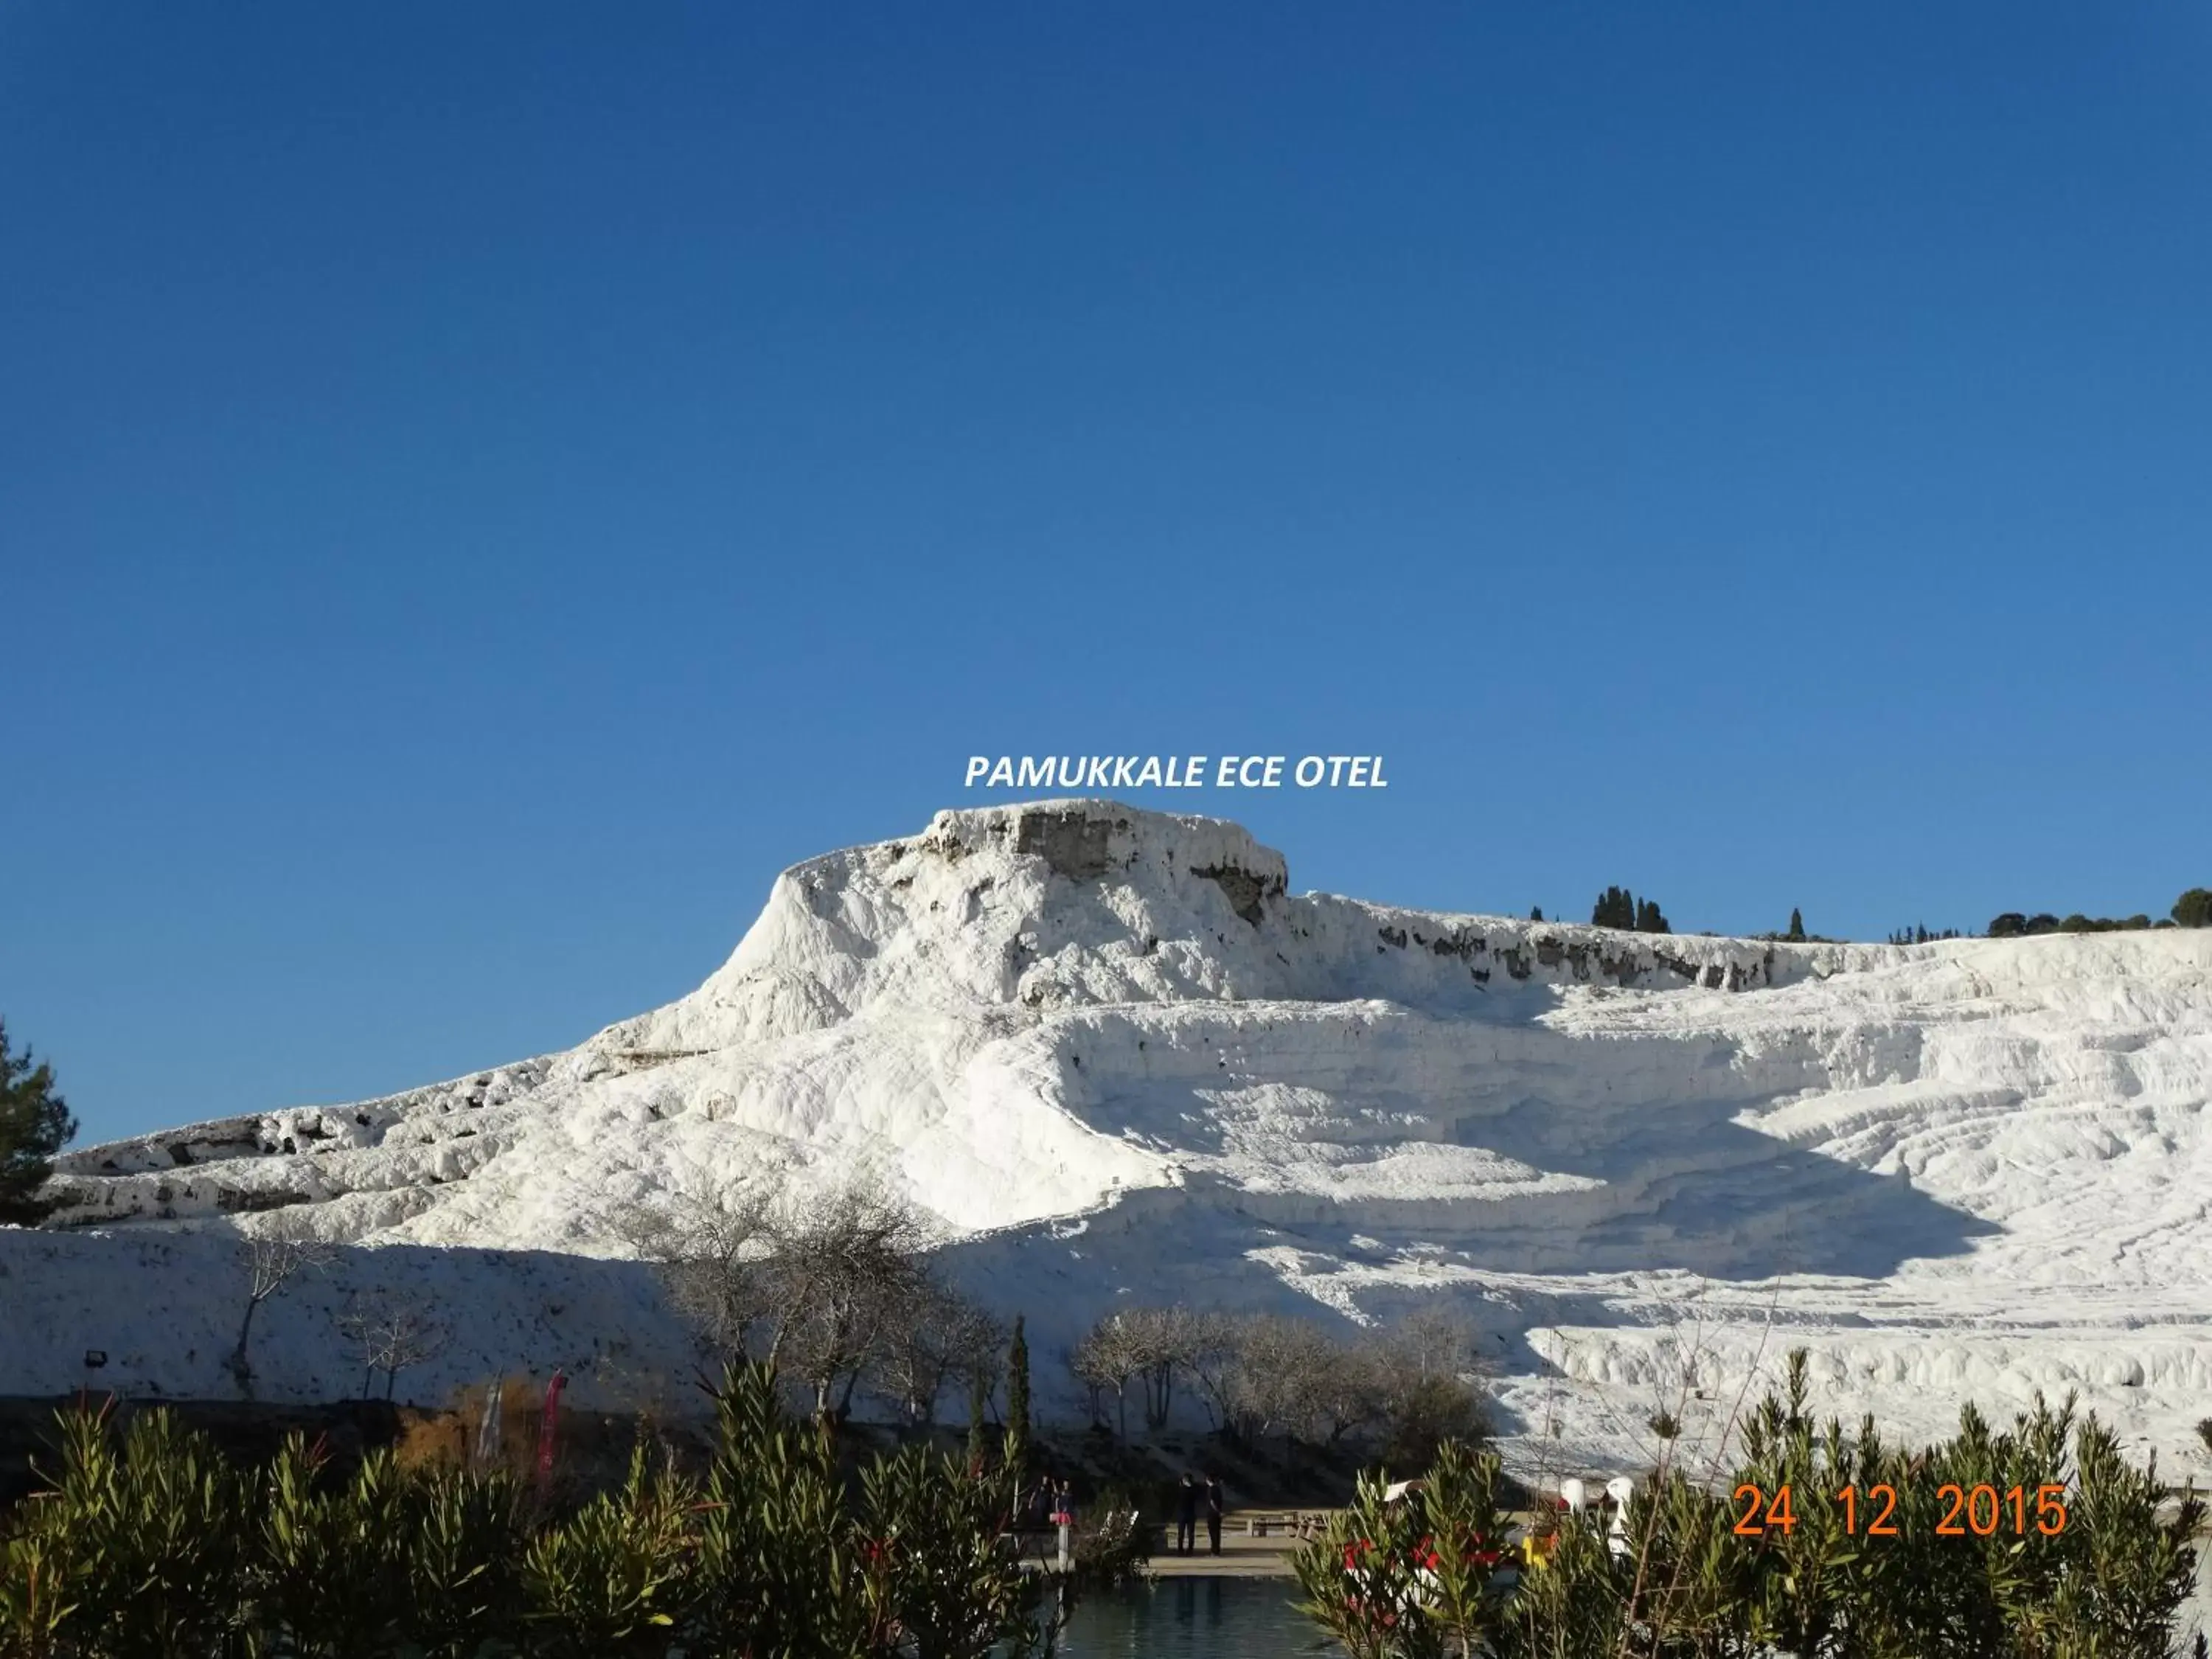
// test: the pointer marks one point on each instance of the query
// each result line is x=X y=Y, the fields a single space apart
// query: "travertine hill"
x=1112 y=1054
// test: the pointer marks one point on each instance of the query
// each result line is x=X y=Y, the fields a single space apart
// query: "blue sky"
x=483 y=488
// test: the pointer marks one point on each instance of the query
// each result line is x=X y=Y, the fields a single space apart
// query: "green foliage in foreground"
x=147 y=1544
x=1425 y=1578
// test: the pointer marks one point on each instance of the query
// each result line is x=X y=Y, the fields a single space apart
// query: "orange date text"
x=1980 y=1511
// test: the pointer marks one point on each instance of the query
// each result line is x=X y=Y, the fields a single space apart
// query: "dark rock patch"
x=231 y=1201
x=1247 y=892
x=1075 y=844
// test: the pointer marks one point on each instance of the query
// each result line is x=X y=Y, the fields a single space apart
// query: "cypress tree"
x=976 y=1393
x=1536 y=913
x=1796 y=927
x=35 y=1125
x=1616 y=907
x=1017 y=1401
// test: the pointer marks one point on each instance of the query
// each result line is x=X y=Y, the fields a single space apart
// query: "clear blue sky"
x=481 y=488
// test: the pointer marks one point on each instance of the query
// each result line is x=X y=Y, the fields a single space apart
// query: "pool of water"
x=1201 y=1618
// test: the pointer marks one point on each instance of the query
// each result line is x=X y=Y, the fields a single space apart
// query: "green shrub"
x=462 y=1558
x=147 y=1545
x=327 y=1571
x=1415 y=1578
x=1810 y=1579
x=941 y=1567
x=611 y=1579
x=137 y=1546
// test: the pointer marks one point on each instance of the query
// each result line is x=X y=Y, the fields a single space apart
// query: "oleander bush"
x=146 y=1543
x=2048 y=1544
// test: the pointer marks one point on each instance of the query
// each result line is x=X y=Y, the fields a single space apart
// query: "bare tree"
x=1350 y=1388
x=1264 y=1375
x=1290 y=1373
x=1432 y=1341
x=1426 y=1364
x=705 y=1244
x=276 y=1252
x=1211 y=1359
x=941 y=1337
x=1261 y=1392
x=1164 y=1339
x=391 y=1334
x=1147 y=1346
x=817 y=1287
x=842 y=1267
x=1110 y=1355
x=1080 y=1368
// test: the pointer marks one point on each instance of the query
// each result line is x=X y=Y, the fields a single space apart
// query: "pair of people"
x=1053 y=1504
x=1187 y=1507
x=1064 y=1517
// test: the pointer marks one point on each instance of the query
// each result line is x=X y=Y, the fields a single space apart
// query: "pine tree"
x=1650 y=919
x=1536 y=913
x=35 y=1125
x=1797 y=933
x=1017 y=1401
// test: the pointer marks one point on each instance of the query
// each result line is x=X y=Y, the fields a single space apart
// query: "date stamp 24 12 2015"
x=1968 y=1512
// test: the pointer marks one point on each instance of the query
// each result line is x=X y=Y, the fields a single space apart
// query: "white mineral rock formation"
x=1114 y=1057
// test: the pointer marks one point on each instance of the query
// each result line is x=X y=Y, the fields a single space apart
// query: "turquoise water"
x=1193 y=1618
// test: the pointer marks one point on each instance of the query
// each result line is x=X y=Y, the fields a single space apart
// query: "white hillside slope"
x=1115 y=1057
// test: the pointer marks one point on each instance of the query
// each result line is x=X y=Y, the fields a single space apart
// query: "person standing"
x=1039 y=1518
x=1213 y=1511
x=1064 y=1517
x=1187 y=1515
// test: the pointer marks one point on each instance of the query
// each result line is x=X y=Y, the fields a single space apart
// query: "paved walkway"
x=1240 y=1557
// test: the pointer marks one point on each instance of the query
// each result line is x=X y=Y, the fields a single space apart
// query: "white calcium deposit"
x=1117 y=1060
